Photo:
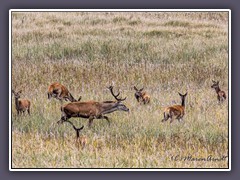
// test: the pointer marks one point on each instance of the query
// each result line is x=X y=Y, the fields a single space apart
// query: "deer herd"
x=97 y=110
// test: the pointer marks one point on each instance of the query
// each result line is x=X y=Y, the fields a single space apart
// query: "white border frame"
x=118 y=10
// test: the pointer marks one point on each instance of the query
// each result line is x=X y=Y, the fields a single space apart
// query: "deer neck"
x=17 y=102
x=109 y=107
x=183 y=102
x=217 y=89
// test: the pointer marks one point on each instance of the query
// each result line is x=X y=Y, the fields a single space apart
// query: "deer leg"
x=105 y=117
x=58 y=94
x=165 y=117
x=179 y=118
x=49 y=95
x=171 y=119
x=90 y=121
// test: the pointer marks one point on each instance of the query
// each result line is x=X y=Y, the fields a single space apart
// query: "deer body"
x=221 y=95
x=141 y=96
x=22 y=105
x=60 y=92
x=175 y=111
x=91 y=109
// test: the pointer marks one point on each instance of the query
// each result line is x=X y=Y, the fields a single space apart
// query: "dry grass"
x=166 y=52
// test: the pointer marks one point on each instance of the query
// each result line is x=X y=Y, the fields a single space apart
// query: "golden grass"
x=166 y=52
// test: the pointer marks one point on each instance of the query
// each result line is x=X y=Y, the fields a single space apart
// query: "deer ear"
x=185 y=94
x=141 y=89
x=135 y=88
x=81 y=128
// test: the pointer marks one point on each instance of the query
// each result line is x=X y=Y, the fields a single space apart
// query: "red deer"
x=176 y=111
x=221 y=95
x=141 y=95
x=79 y=139
x=92 y=109
x=60 y=92
x=21 y=104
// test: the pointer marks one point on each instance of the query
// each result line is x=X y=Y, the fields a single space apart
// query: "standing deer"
x=176 y=111
x=60 y=92
x=79 y=139
x=141 y=95
x=92 y=109
x=221 y=95
x=21 y=104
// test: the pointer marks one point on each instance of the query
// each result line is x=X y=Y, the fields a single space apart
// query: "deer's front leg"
x=90 y=121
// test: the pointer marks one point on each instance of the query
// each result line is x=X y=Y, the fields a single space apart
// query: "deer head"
x=17 y=94
x=215 y=84
x=138 y=93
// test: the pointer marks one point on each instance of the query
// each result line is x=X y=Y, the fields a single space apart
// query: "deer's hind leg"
x=28 y=110
x=166 y=117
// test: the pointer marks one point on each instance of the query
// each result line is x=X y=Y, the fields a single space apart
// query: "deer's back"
x=85 y=108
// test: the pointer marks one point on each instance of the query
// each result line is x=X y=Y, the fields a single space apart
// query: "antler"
x=116 y=96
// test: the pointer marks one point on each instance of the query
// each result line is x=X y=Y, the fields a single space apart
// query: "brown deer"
x=221 y=95
x=82 y=140
x=176 y=111
x=141 y=95
x=92 y=109
x=22 y=105
x=60 y=92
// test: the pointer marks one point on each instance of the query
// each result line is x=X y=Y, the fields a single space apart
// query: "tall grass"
x=165 y=52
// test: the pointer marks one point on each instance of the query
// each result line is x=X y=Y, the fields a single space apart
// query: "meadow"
x=164 y=52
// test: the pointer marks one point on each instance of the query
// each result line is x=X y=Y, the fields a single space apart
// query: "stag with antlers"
x=92 y=109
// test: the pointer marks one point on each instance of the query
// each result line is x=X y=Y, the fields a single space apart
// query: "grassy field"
x=166 y=52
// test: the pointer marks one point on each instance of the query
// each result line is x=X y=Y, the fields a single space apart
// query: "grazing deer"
x=60 y=92
x=79 y=139
x=141 y=95
x=92 y=109
x=221 y=95
x=176 y=111
x=21 y=104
